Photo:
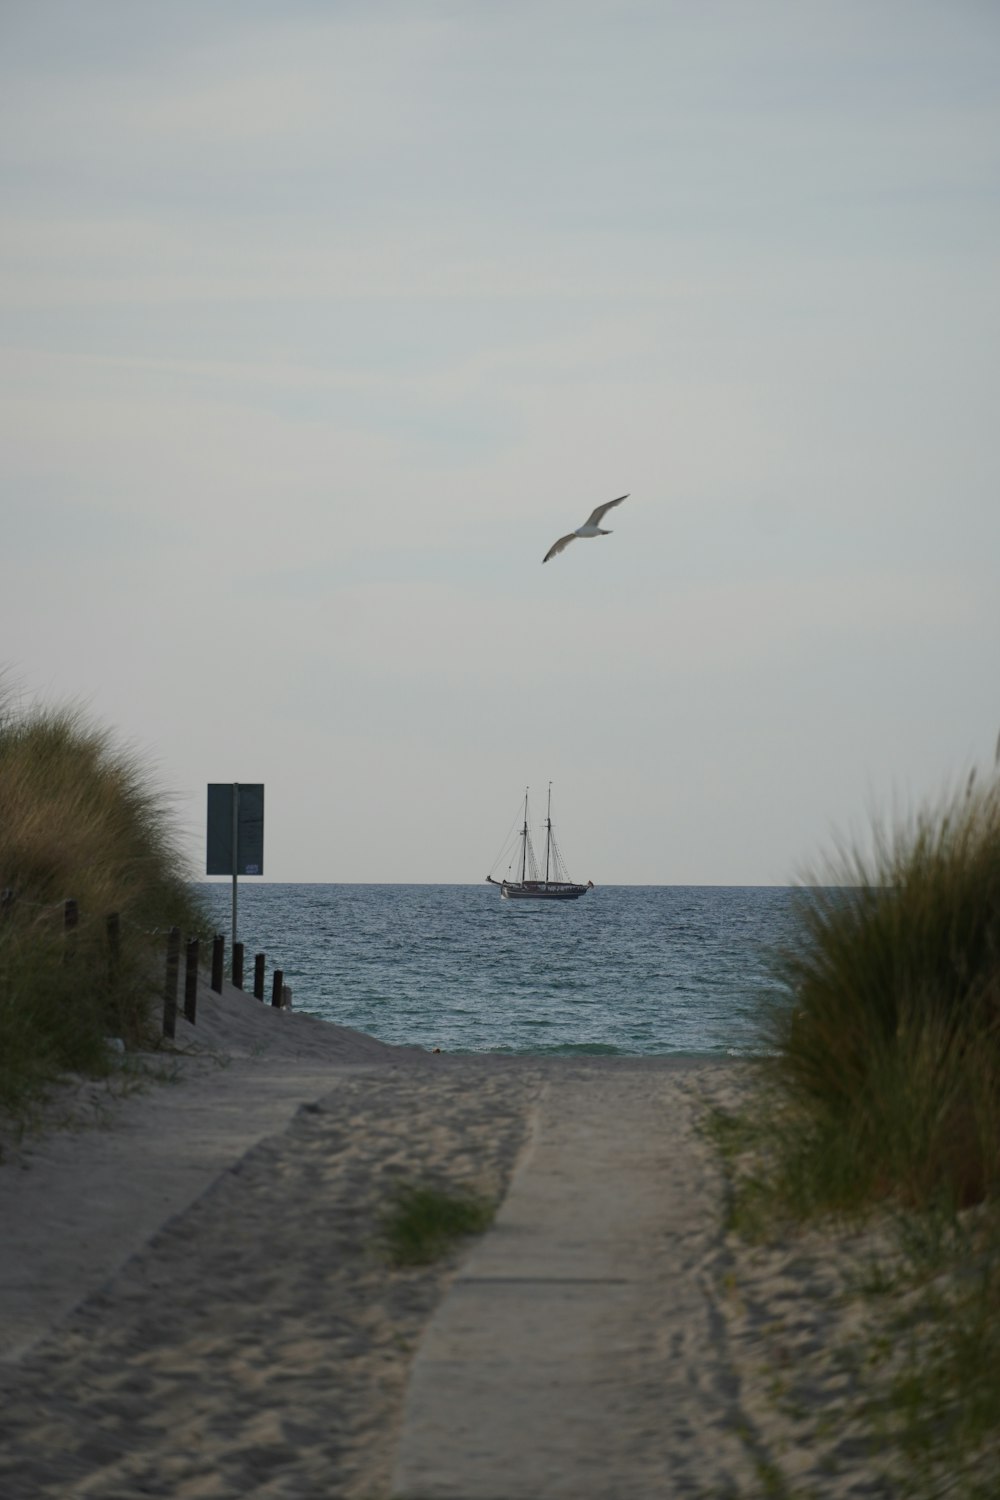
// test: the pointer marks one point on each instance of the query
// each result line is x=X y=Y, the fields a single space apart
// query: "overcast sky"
x=320 y=321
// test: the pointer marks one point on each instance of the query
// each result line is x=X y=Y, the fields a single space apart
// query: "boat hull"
x=542 y=892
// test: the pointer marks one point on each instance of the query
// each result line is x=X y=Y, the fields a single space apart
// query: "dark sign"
x=241 y=805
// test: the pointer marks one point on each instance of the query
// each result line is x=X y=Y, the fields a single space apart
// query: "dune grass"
x=880 y=1094
x=888 y=1053
x=79 y=819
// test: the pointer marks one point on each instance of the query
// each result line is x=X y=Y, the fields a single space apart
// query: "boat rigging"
x=524 y=880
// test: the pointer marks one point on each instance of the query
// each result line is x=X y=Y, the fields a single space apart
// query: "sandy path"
x=258 y=1345
x=126 y=1156
x=576 y=1356
x=194 y=1302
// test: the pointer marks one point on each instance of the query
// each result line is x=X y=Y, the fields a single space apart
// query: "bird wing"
x=597 y=516
x=563 y=541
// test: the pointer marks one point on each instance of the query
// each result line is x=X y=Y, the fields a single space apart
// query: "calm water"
x=627 y=969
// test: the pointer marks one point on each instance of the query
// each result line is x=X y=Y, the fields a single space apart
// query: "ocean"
x=632 y=970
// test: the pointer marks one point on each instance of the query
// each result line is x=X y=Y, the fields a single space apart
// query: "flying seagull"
x=591 y=527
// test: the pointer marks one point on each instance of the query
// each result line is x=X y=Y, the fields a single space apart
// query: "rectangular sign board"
x=248 y=798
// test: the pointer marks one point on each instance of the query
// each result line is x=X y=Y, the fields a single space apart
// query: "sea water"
x=626 y=969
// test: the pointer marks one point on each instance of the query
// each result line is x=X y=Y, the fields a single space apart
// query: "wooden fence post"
x=237 y=966
x=170 y=983
x=114 y=930
x=71 y=920
x=286 y=997
x=191 y=982
x=218 y=959
x=276 y=986
x=258 y=975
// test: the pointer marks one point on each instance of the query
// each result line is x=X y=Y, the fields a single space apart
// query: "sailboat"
x=525 y=881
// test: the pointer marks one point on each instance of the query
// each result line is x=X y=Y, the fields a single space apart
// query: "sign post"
x=235 y=837
x=236 y=845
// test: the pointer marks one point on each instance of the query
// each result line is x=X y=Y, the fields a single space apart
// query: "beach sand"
x=195 y=1301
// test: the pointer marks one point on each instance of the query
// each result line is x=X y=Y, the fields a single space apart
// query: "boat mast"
x=548 y=833
x=524 y=836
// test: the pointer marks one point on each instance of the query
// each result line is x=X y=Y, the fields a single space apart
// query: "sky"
x=321 y=321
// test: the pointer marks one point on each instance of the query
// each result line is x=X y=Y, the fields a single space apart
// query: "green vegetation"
x=881 y=1096
x=889 y=1054
x=941 y=1396
x=77 y=820
x=424 y=1221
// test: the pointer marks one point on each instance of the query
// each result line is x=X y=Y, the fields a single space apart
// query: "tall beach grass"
x=887 y=1054
x=880 y=1101
x=81 y=819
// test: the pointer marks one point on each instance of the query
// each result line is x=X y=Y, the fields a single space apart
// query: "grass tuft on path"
x=424 y=1222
